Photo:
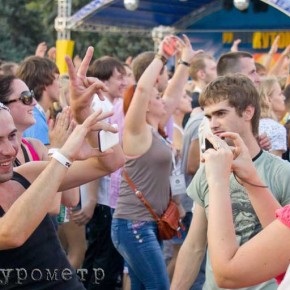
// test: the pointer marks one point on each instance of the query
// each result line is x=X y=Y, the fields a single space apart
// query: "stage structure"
x=210 y=24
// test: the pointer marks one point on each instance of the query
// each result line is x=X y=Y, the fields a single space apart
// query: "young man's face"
x=224 y=118
x=116 y=85
x=53 y=90
x=8 y=145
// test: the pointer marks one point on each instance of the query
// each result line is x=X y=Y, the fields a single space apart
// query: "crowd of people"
x=214 y=138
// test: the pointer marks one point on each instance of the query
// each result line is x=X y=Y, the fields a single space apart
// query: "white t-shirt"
x=276 y=132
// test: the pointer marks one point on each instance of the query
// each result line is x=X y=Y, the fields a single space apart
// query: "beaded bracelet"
x=162 y=58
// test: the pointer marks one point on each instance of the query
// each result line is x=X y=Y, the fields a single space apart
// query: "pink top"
x=117 y=118
x=34 y=154
x=283 y=215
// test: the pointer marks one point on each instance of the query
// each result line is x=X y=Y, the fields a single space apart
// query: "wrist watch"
x=183 y=62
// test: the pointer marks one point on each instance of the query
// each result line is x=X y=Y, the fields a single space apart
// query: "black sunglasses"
x=26 y=98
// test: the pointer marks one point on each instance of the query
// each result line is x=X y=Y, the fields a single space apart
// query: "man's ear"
x=249 y=113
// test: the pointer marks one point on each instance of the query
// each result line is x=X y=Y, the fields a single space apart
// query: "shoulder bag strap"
x=140 y=195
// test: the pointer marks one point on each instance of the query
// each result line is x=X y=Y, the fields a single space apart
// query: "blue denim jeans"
x=137 y=242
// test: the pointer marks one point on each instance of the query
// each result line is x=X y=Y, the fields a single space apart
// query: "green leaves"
x=24 y=24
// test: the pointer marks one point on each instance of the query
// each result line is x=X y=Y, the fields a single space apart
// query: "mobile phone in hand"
x=107 y=139
x=170 y=48
x=208 y=144
x=203 y=131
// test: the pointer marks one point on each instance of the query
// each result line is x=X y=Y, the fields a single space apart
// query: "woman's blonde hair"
x=265 y=90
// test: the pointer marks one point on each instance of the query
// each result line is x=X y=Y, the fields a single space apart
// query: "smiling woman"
x=15 y=94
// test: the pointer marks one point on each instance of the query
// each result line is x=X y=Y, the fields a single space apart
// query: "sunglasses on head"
x=26 y=98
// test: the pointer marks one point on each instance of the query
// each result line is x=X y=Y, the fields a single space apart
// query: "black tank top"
x=40 y=263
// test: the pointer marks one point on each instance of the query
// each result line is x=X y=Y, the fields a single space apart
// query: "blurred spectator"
x=8 y=68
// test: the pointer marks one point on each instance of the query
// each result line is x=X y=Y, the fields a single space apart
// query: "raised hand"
x=218 y=160
x=242 y=165
x=83 y=88
x=76 y=147
x=274 y=46
x=187 y=52
x=41 y=49
x=235 y=46
x=168 y=47
x=51 y=53
x=286 y=51
x=61 y=128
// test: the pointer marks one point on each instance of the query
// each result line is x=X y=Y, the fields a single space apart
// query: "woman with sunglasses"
x=15 y=94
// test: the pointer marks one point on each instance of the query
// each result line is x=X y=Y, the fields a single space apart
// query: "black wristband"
x=184 y=62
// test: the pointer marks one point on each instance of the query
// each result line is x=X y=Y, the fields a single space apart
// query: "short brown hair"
x=198 y=64
x=229 y=62
x=240 y=93
x=38 y=73
x=141 y=62
x=6 y=87
x=103 y=68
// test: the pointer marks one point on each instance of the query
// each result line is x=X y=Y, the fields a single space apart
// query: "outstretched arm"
x=174 y=90
x=269 y=56
x=276 y=69
x=137 y=133
x=26 y=213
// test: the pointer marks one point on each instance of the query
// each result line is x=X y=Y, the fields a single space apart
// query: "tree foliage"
x=24 y=24
x=20 y=29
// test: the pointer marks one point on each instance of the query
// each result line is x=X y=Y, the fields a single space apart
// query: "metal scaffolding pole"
x=64 y=45
x=62 y=20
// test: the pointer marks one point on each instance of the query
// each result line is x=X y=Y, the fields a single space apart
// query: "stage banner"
x=282 y=5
